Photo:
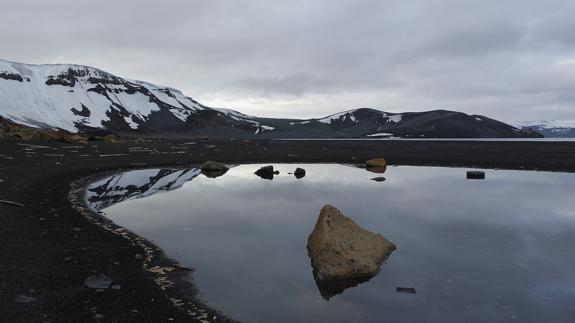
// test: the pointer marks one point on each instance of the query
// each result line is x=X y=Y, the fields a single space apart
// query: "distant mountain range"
x=90 y=101
x=553 y=128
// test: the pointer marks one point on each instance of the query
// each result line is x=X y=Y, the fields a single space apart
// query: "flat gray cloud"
x=513 y=59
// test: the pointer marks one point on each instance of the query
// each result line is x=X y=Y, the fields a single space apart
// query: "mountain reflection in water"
x=494 y=250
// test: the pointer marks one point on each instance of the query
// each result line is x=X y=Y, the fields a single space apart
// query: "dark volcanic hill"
x=87 y=100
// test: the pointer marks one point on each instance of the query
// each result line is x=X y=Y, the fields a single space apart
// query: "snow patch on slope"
x=342 y=116
x=395 y=118
x=45 y=95
x=262 y=129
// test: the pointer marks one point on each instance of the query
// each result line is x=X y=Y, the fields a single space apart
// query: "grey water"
x=495 y=250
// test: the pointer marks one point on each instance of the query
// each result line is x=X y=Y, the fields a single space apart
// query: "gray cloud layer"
x=509 y=59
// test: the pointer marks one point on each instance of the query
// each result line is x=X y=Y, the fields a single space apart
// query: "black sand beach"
x=49 y=246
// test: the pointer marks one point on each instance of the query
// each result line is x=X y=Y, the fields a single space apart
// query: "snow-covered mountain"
x=88 y=100
x=82 y=98
x=429 y=124
x=552 y=128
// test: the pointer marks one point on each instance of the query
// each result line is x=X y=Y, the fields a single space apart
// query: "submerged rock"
x=376 y=162
x=342 y=253
x=299 y=173
x=378 y=179
x=266 y=172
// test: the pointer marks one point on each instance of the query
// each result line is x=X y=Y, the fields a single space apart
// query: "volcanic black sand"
x=50 y=245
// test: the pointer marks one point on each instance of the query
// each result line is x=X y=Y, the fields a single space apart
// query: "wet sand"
x=49 y=246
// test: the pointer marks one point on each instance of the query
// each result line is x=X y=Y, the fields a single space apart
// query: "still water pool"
x=493 y=250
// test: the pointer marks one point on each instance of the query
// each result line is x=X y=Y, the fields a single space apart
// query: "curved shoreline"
x=173 y=279
x=48 y=250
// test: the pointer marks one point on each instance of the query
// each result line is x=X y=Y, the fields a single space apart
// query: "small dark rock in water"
x=277 y=172
x=408 y=290
x=299 y=173
x=211 y=165
x=24 y=299
x=378 y=179
x=99 y=281
x=213 y=169
x=475 y=174
x=266 y=172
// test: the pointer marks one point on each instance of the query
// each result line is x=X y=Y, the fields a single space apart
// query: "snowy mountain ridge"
x=552 y=128
x=350 y=115
x=68 y=96
x=89 y=100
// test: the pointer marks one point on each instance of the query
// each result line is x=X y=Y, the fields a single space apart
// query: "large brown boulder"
x=342 y=253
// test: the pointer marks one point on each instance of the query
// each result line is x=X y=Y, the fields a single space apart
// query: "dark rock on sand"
x=378 y=179
x=24 y=299
x=99 y=281
x=299 y=173
x=266 y=172
x=342 y=253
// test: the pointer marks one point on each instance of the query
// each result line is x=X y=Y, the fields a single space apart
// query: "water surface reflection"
x=476 y=251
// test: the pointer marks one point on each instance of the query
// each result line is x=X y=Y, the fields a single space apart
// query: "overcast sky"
x=509 y=59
